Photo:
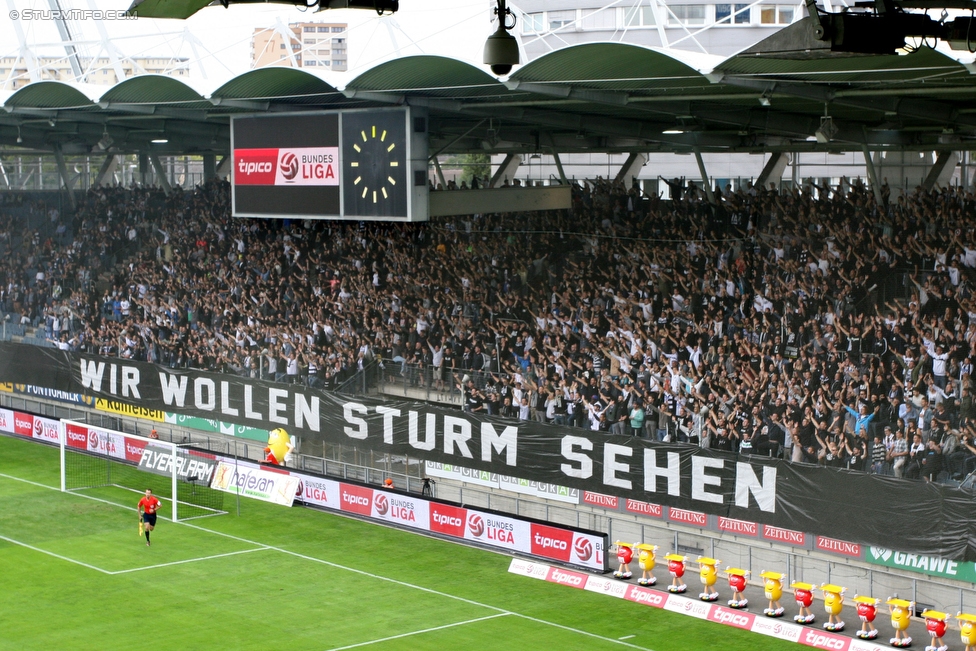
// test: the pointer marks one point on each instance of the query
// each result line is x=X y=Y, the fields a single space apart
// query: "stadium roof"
x=594 y=97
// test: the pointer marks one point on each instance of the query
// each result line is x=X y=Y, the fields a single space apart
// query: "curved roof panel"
x=50 y=94
x=154 y=89
x=612 y=66
x=428 y=75
x=277 y=82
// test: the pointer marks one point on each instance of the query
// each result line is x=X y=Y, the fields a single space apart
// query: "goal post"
x=95 y=457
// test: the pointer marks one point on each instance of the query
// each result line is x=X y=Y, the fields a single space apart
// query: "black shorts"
x=149 y=518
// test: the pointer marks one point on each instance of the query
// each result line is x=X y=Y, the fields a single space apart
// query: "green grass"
x=277 y=578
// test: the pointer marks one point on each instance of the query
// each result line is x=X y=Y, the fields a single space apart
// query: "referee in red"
x=147 y=508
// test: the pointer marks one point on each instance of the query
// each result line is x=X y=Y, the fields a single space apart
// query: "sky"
x=219 y=39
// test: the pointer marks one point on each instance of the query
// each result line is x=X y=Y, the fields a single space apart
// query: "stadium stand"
x=809 y=323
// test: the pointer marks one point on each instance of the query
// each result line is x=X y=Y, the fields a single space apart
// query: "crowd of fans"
x=809 y=323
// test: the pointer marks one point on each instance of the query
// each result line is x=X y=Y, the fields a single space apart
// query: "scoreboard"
x=362 y=165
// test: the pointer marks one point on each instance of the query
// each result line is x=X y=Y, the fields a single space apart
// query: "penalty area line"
x=190 y=560
x=58 y=556
x=420 y=632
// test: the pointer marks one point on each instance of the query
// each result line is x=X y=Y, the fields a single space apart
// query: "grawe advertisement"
x=931 y=565
x=492 y=529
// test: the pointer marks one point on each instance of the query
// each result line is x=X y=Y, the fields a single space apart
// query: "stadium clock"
x=374 y=162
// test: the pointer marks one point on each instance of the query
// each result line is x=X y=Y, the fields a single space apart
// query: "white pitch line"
x=189 y=560
x=63 y=558
x=361 y=572
x=421 y=632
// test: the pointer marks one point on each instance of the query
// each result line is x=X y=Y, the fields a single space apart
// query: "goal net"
x=95 y=457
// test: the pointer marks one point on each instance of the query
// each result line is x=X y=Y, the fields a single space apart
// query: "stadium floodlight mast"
x=94 y=457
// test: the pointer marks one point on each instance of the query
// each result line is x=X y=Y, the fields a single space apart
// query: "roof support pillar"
x=63 y=172
x=559 y=167
x=773 y=169
x=872 y=176
x=209 y=167
x=631 y=167
x=506 y=170
x=946 y=162
x=143 y=168
x=705 y=180
x=223 y=169
x=108 y=167
x=161 y=175
x=440 y=173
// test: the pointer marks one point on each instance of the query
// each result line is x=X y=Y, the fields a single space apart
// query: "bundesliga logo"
x=583 y=549
x=476 y=525
x=382 y=504
x=289 y=166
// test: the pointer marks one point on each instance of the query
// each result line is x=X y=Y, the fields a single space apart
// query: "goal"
x=95 y=458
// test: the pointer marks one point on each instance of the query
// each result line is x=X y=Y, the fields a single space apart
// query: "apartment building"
x=302 y=45
x=15 y=72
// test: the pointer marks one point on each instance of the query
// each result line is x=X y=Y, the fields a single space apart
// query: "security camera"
x=501 y=48
x=501 y=51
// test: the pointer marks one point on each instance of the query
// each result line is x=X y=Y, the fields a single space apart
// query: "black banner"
x=906 y=515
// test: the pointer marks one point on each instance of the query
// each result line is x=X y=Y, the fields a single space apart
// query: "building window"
x=776 y=14
x=533 y=23
x=639 y=17
x=561 y=19
x=323 y=29
x=686 y=15
x=338 y=41
x=281 y=46
x=339 y=62
x=323 y=63
x=309 y=63
x=599 y=18
x=309 y=28
x=338 y=52
x=296 y=46
x=338 y=30
x=310 y=41
x=732 y=14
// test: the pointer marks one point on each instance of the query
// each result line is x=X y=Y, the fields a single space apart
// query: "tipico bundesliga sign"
x=932 y=565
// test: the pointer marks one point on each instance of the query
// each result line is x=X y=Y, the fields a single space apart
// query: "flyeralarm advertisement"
x=501 y=531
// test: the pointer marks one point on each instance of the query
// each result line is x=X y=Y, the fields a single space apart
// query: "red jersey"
x=149 y=504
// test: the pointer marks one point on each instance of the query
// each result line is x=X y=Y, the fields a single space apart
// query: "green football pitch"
x=75 y=574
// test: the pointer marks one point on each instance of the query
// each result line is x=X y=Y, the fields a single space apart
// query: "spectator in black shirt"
x=931 y=461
